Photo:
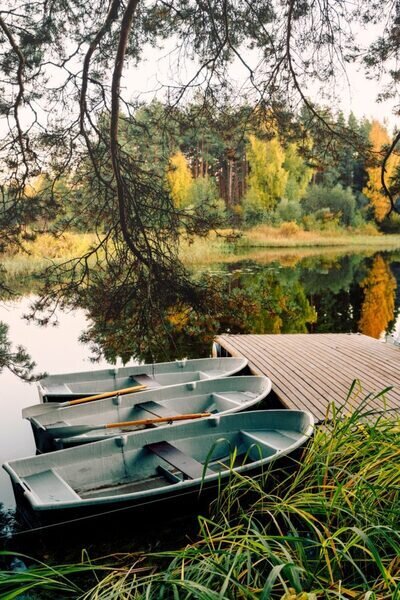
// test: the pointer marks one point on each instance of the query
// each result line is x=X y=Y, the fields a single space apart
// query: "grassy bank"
x=46 y=249
x=289 y=235
x=264 y=244
x=271 y=243
x=328 y=529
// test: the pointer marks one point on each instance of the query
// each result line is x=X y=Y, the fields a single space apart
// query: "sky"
x=352 y=92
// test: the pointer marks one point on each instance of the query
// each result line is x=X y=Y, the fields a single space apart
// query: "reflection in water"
x=378 y=306
x=325 y=293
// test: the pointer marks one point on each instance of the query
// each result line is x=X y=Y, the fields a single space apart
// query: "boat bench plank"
x=59 y=389
x=263 y=444
x=234 y=397
x=274 y=438
x=146 y=380
x=190 y=467
x=50 y=487
x=156 y=409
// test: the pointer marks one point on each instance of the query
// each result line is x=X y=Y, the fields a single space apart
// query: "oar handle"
x=131 y=390
x=158 y=420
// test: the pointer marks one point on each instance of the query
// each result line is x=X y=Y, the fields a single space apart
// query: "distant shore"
x=222 y=246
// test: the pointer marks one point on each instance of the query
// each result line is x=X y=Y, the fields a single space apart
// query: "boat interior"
x=213 y=403
x=154 y=465
x=110 y=384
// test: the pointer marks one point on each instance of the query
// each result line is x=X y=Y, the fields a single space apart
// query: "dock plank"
x=310 y=371
x=361 y=369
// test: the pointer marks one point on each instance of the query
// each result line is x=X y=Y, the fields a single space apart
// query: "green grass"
x=327 y=529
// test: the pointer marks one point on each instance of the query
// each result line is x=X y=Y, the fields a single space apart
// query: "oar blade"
x=37 y=410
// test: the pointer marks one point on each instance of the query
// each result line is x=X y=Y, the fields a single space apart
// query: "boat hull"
x=166 y=504
x=143 y=471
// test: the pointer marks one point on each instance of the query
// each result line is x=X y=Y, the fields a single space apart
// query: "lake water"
x=330 y=292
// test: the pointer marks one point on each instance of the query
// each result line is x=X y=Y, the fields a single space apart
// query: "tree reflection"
x=333 y=286
x=262 y=302
x=322 y=294
x=379 y=298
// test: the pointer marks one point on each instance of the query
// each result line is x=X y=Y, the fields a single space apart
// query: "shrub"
x=254 y=214
x=321 y=220
x=289 y=229
x=288 y=211
x=338 y=201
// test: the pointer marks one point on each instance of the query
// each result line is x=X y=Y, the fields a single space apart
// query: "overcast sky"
x=352 y=91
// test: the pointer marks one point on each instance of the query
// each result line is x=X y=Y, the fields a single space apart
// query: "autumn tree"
x=180 y=179
x=379 y=201
x=299 y=174
x=67 y=75
x=267 y=178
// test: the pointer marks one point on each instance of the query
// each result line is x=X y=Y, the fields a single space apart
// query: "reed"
x=326 y=526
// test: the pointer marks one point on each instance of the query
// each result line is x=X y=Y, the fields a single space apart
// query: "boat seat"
x=264 y=446
x=58 y=389
x=50 y=487
x=190 y=467
x=155 y=409
x=233 y=397
x=146 y=380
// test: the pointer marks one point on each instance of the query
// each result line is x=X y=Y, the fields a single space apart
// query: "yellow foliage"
x=179 y=319
x=35 y=186
x=379 y=138
x=267 y=179
x=378 y=306
x=289 y=229
x=67 y=245
x=179 y=179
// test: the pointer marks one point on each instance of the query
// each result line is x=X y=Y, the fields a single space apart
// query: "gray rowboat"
x=153 y=466
x=70 y=386
x=63 y=427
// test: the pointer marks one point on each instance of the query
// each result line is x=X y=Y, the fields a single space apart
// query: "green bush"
x=288 y=211
x=253 y=211
x=322 y=220
x=205 y=200
x=340 y=202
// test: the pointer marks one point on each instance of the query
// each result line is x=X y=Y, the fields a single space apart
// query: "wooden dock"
x=310 y=371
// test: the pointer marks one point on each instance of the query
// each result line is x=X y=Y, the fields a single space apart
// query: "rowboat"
x=69 y=386
x=72 y=424
x=151 y=466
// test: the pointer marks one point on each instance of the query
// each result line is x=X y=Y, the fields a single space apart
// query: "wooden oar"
x=72 y=430
x=39 y=409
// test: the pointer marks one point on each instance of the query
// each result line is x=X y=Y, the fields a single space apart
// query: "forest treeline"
x=266 y=172
x=245 y=169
